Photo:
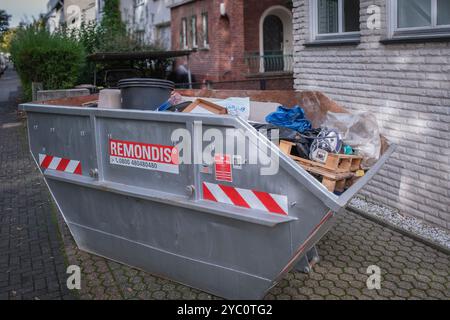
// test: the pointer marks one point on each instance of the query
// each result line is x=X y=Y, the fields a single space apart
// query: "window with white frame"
x=183 y=34
x=420 y=17
x=194 y=31
x=205 y=30
x=335 y=19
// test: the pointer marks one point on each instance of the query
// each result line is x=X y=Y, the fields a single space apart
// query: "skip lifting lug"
x=190 y=190
x=93 y=173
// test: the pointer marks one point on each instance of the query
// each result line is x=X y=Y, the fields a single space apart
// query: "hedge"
x=53 y=59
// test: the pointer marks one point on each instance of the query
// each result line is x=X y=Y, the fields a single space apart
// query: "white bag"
x=360 y=131
x=239 y=107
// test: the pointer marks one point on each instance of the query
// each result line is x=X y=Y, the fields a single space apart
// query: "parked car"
x=3 y=64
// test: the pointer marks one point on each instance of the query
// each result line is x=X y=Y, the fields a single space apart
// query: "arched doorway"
x=276 y=39
x=273 y=42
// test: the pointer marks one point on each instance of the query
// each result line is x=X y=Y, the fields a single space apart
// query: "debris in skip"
x=336 y=147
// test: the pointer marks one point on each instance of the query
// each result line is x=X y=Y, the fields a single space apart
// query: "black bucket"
x=145 y=94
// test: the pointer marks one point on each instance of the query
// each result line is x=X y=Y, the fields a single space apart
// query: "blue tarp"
x=289 y=118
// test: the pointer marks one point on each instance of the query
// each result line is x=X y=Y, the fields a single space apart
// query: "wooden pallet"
x=339 y=163
x=336 y=174
x=333 y=181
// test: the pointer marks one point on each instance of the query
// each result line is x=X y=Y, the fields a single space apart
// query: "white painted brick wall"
x=407 y=86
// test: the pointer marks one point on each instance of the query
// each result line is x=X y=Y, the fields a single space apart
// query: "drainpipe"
x=189 y=73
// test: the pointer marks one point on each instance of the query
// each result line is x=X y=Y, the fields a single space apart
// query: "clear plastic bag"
x=360 y=131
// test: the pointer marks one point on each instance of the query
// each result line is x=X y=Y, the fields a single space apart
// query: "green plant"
x=90 y=36
x=111 y=21
x=6 y=38
x=53 y=59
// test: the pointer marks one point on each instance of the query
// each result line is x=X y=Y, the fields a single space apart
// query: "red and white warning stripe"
x=250 y=199
x=60 y=164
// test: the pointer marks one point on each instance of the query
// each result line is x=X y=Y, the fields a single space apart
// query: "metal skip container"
x=224 y=227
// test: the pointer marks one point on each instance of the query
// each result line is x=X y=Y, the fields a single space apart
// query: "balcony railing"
x=268 y=62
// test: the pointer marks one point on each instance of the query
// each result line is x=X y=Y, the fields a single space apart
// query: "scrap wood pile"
x=337 y=172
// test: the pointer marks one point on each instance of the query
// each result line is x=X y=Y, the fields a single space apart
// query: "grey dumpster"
x=227 y=230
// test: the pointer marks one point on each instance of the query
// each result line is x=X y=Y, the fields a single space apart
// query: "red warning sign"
x=223 y=167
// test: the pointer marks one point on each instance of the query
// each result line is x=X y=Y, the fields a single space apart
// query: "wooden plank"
x=340 y=185
x=329 y=184
x=356 y=164
x=314 y=163
x=328 y=174
x=343 y=166
x=286 y=147
x=206 y=105
x=89 y=103
x=332 y=162
x=346 y=156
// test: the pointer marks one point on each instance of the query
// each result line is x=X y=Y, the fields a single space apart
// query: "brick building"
x=391 y=58
x=238 y=42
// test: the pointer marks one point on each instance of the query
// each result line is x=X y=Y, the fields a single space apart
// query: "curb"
x=400 y=230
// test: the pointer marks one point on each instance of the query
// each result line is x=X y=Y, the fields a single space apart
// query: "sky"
x=22 y=9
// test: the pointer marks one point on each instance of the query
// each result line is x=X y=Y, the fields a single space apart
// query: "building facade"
x=71 y=13
x=238 y=43
x=55 y=15
x=391 y=58
x=147 y=20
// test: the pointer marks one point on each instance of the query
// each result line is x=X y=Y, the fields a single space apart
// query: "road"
x=36 y=247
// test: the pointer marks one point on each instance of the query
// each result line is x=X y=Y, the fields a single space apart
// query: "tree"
x=111 y=21
x=5 y=40
x=4 y=21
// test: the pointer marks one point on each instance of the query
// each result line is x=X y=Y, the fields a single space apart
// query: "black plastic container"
x=145 y=94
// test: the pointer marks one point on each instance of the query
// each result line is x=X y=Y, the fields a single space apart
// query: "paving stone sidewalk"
x=36 y=247
x=32 y=262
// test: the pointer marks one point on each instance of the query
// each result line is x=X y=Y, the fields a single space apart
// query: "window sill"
x=270 y=74
x=335 y=42
x=416 y=39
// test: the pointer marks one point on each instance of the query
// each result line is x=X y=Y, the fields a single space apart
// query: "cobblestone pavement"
x=32 y=258
x=410 y=270
x=32 y=264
